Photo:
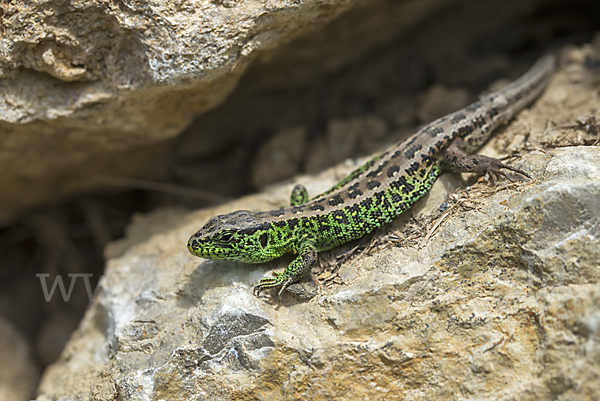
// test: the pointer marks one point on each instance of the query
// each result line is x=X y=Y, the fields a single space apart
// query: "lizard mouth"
x=210 y=251
x=198 y=249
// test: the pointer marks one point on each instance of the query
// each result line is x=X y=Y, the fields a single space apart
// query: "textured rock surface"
x=85 y=83
x=502 y=303
x=18 y=372
x=323 y=84
x=95 y=88
x=495 y=297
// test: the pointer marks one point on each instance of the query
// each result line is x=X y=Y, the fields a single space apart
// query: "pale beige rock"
x=344 y=135
x=96 y=89
x=506 y=293
x=496 y=299
x=86 y=83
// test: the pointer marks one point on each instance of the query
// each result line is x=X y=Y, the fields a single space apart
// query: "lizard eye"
x=225 y=237
x=264 y=239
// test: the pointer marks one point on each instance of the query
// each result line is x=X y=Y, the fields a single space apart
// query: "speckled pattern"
x=372 y=195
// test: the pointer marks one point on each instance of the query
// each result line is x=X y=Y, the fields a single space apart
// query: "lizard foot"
x=494 y=167
x=278 y=279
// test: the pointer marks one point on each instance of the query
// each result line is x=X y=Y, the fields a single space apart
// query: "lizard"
x=372 y=195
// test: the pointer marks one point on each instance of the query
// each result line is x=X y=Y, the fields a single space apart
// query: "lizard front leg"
x=454 y=158
x=306 y=259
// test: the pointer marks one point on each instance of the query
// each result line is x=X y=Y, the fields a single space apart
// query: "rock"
x=343 y=138
x=99 y=89
x=508 y=292
x=86 y=83
x=344 y=135
x=492 y=293
x=400 y=110
x=280 y=157
x=440 y=100
x=18 y=372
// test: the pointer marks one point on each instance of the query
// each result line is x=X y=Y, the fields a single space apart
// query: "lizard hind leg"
x=453 y=158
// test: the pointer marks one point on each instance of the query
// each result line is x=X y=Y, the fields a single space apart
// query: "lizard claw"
x=279 y=279
x=495 y=166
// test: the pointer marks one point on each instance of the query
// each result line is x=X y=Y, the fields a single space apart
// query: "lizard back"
x=391 y=182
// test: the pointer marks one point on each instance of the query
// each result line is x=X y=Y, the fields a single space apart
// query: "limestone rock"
x=508 y=292
x=94 y=90
x=86 y=83
x=494 y=296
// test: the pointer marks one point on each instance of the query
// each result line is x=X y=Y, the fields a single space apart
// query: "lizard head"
x=240 y=236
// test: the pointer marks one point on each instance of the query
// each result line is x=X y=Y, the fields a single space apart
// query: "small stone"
x=304 y=290
x=346 y=138
x=440 y=100
x=280 y=157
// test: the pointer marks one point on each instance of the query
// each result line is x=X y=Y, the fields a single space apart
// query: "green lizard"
x=372 y=195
